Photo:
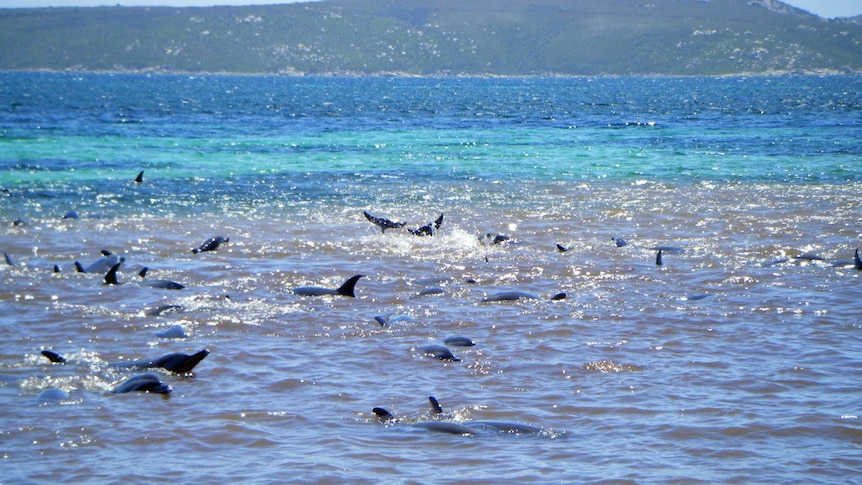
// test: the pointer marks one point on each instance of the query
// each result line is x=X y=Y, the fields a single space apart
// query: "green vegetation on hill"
x=436 y=37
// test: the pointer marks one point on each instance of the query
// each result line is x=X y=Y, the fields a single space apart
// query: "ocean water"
x=734 y=361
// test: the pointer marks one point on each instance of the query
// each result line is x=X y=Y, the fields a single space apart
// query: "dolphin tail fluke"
x=347 y=288
x=382 y=223
x=428 y=229
x=111 y=277
x=438 y=222
x=375 y=220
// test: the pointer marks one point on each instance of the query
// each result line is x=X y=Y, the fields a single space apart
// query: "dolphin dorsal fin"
x=383 y=414
x=111 y=277
x=435 y=405
x=438 y=222
x=347 y=288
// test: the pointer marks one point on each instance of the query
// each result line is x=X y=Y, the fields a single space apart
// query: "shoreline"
x=407 y=75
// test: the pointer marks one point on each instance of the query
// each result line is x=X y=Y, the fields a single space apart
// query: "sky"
x=824 y=8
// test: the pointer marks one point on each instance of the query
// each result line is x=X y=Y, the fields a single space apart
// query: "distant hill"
x=436 y=37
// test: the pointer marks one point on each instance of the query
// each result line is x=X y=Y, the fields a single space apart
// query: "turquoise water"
x=735 y=361
x=252 y=138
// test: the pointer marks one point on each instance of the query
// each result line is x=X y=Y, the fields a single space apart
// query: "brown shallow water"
x=722 y=365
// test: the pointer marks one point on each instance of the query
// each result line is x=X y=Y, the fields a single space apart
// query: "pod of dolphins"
x=177 y=363
x=182 y=364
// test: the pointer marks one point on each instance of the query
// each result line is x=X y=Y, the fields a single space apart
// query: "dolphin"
x=492 y=239
x=449 y=427
x=458 y=341
x=504 y=427
x=658 y=260
x=54 y=357
x=111 y=276
x=142 y=383
x=428 y=229
x=164 y=284
x=71 y=215
x=810 y=257
x=383 y=223
x=9 y=260
x=112 y=279
x=390 y=319
x=439 y=352
x=517 y=295
x=140 y=178
x=101 y=265
x=383 y=415
x=466 y=428
x=157 y=311
x=435 y=405
x=431 y=290
x=857 y=261
x=620 y=242
x=178 y=363
x=175 y=331
x=561 y=248
x=345 y=289
x=52 y=395
x=211 y=244
x=510 y=296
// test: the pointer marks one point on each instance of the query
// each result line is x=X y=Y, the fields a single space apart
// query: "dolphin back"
x=180 y=363
x=142 y=383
